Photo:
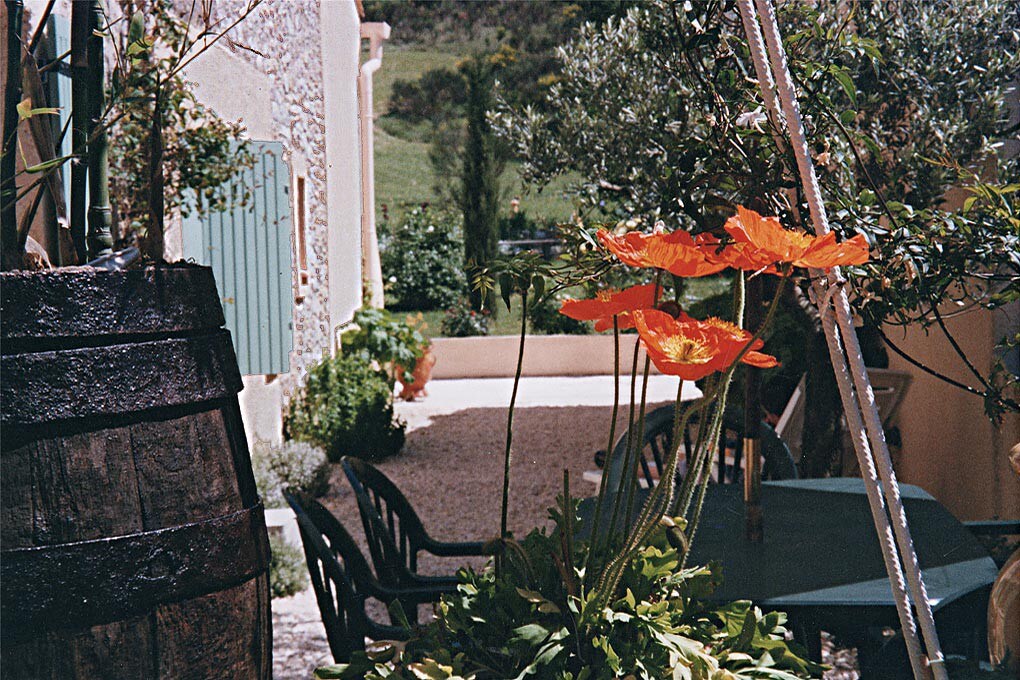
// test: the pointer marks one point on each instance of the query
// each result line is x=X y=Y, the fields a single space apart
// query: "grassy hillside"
x=403 y=174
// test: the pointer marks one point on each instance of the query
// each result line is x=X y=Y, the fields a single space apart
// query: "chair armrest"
x=421 y=593
x=995 y=527
x=465 y=549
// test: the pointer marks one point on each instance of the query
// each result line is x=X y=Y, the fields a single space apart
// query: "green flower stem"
x=635 y=438
x=687 y=488
x=631 y=422
x=770 y=314
x=648 y=519
x=593 y=541
x=503 y=534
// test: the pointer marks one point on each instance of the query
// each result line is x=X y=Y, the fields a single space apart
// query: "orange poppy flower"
x=675 y=252
x=693 y=349
x=768 y=243
x=609 y=303
x=734 y=339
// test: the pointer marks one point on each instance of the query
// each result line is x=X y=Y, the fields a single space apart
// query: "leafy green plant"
x=462 y=321
x=166 y=145
x=532 y=621
x=345 y=406
x=422 y=261
x=287 y=572
x=385 y=340
x=290 y=466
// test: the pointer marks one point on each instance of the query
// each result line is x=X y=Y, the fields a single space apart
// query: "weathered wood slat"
x=107 y=579
x=133 y=540
x=47 y=387
x=82 y=302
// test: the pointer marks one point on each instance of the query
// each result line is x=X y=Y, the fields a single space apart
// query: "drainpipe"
x=375 y=33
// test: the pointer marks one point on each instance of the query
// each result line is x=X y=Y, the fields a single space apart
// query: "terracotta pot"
x=1004 y=616
x=421 y=374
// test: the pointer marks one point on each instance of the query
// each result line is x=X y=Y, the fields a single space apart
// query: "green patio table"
x=820 y=560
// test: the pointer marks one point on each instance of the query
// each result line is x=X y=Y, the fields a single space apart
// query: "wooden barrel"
x=133 y=540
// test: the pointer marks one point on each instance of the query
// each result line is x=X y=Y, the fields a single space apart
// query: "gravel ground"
x=451 y=470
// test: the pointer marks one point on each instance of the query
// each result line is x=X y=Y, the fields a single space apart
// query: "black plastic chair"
x=343 y=583
x=658 y=435
x=395 y=533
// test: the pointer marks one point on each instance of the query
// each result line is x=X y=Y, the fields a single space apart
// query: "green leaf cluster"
x=382 y=338
x=345 y=406
x=532 y=622
x=422 y=261
x=201 y=151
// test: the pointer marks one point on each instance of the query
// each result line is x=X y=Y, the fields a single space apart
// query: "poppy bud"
x=670 y=307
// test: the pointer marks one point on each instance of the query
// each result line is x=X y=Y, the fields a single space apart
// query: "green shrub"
x=547 y=320
x=462 y=321
x=422 y=260
x=288 y=574
x=346 y=408
x=434 y=96
x=292 y=466
x=532 y=623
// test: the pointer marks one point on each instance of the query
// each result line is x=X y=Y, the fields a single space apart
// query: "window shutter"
x=57 y=81
x=248 y=248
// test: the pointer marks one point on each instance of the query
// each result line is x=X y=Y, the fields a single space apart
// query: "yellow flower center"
x=681 y=349
x=726 y=326
x=606 y=295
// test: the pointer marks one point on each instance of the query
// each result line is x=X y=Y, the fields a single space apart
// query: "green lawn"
x=403 y=174
x=509 y=323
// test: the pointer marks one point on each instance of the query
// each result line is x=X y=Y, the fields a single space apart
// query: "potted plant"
x=398 y=347
x=622 y=599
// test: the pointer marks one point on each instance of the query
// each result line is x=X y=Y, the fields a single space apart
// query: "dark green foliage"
x=547 y=320
x=462 y=321
x=346 y=407
x=533 y=622
x=200 y=150
x=438 y=94
x=288 y=574
x=422 y=261
x=901 y=101
x=479 y=178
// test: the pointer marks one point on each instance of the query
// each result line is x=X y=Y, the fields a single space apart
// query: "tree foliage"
x=660 y=113
x=200 y=151
x=480 y=177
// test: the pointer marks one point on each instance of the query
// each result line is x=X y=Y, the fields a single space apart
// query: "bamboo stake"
x=12 y=95
x=79 y=125
x=100 y=240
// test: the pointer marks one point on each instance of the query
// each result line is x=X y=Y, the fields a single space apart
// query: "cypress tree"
x=479 y=193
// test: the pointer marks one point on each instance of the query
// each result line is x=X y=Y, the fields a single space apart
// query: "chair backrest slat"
x=341 y=580
x=395 y=531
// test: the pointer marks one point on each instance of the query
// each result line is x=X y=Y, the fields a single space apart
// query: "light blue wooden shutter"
x=248 y=248
x=57 y=81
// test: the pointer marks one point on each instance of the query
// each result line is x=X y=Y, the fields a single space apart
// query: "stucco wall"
x=950 y=448
x=309 y=53
x=295 y=80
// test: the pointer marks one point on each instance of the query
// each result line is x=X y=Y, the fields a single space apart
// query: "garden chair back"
x=343 y=582
x=658 y=435
x=395 y=533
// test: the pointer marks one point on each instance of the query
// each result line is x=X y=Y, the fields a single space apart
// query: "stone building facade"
x=289 y=71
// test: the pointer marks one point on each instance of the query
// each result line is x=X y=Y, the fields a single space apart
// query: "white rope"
x=822 y=299
x=855 y=388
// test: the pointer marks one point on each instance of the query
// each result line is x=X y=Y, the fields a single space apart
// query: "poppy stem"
x=503 y=534
x=593 y=542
